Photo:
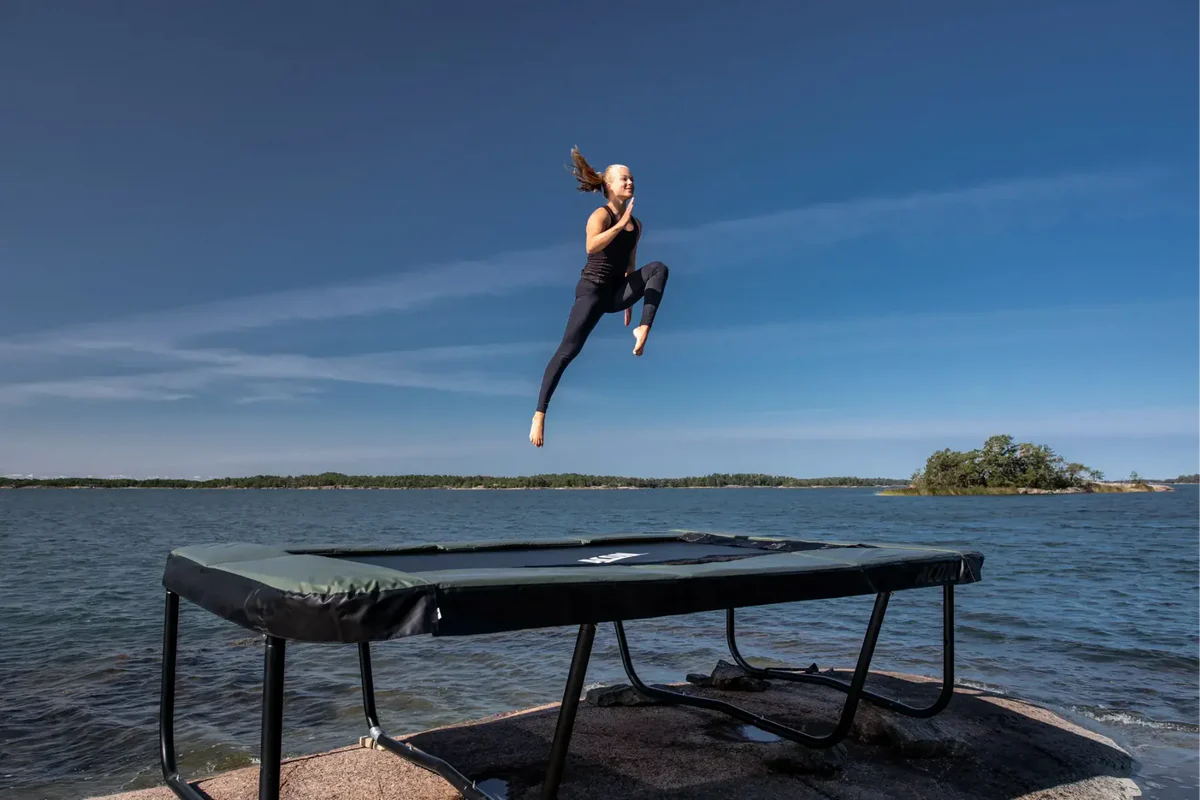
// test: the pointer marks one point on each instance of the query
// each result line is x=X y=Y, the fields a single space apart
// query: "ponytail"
x=589 y=180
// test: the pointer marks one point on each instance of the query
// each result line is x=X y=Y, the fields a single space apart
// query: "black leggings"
x=593 y=301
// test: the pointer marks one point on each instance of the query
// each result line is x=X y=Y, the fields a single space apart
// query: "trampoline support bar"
x=566 y=712
x=271 y=741
x=465 y=786
x=166 y=706
x=830 y=739
x=793 y=674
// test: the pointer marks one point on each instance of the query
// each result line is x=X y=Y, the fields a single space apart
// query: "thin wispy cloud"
x=407 y=291
x=182 y=371
x=998 y=203
x=166 y=386
x=511 y=272
x=181 y=385
x=275 y=393
x=269 y=374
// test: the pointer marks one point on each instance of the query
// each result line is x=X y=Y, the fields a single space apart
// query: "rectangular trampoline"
x=359 y=595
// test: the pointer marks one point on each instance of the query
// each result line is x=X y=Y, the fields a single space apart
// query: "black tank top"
x=608 y=266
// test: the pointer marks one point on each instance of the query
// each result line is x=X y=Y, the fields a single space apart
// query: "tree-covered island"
x=1002 y=466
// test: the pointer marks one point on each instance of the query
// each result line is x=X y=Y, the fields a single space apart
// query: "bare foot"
x=537 y=429
x=639 y=335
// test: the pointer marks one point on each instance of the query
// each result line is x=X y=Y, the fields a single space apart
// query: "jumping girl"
x=609 y=282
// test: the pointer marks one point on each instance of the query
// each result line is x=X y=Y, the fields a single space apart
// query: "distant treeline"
x=336 y=480
x=1182 y=479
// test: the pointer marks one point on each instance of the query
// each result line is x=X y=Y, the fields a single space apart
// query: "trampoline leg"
x=465 y=786
x=566 y=712
x=828 y=740
x=166 y=705
x=270 y=748
x=791 y=674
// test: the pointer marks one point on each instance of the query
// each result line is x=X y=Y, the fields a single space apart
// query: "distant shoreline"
x=334 y=481
x=440 y=488
x=556 y=481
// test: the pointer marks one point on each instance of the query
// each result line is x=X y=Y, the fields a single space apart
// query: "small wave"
x=981 y=686
x=991 y=635
x=1132 y=719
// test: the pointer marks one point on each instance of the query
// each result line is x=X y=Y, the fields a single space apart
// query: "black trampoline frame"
x=270 y=746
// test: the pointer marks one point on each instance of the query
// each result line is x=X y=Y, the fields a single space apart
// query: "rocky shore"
x=1094 y=487
x=982 y=746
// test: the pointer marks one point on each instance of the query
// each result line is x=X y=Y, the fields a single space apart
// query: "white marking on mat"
x=610 y=558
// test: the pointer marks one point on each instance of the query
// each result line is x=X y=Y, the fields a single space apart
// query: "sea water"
x=1088 y=605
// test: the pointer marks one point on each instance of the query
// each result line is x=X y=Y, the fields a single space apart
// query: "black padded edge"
x=344 y=617
x=470 y=610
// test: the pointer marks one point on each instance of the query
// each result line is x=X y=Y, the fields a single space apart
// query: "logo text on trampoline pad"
x=610 y=558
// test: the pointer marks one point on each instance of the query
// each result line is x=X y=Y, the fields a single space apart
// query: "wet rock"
x=731 y=677
x=731 y=730
x=621 y=694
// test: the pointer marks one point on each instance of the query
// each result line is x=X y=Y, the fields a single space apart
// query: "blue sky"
x=287 y=238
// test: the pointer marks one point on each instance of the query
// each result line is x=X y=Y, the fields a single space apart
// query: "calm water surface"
x=1089 y=605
